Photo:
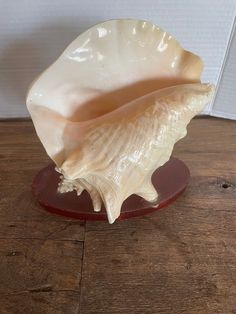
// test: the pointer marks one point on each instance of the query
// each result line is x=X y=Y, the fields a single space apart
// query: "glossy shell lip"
x=75 y=93
x=111 y=64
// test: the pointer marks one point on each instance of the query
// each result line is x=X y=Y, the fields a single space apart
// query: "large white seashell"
x=111 y=108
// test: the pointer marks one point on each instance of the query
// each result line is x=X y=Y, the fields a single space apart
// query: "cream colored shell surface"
x=111 y=108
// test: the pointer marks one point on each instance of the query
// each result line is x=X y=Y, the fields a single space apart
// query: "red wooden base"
x=170 y=181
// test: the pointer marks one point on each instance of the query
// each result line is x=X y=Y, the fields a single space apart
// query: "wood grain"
x=178 y=260
x=40 y=255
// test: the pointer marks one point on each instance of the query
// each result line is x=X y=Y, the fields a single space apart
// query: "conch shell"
x=112 y=106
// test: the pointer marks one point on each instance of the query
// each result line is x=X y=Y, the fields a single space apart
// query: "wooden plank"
x=46 y=302
x=161 y=270
x=40 y=254
x=182 y=258
x=207 y=135
x=178 y=260
x=22 y=156
x=28 y=264
x=39 y=276
x=21 y=217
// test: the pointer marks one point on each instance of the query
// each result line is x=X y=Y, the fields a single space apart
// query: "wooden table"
x=181 y=259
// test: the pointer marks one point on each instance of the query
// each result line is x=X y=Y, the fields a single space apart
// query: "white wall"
x=34 y=33
x=224 y=104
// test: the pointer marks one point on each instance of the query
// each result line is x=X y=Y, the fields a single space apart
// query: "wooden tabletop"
x=181 y=259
